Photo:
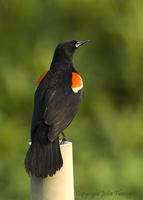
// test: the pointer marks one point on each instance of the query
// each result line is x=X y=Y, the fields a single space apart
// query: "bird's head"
x=65 y=50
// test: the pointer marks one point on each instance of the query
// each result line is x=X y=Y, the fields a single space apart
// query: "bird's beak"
x=80 y=42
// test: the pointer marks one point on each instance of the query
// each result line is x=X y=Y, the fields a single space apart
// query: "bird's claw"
x=64 y=140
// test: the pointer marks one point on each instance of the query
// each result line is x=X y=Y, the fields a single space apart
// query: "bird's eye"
x=72 y=45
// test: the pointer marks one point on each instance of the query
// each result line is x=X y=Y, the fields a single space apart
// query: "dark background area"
x=107 y=133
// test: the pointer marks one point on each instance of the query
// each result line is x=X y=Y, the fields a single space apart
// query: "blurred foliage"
x=107 y=133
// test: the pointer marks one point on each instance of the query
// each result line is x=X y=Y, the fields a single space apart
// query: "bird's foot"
x=64 y=140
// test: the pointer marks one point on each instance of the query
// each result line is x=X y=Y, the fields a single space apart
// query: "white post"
x=61 y=185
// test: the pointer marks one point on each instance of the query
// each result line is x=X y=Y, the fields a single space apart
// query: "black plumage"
x=55 y=105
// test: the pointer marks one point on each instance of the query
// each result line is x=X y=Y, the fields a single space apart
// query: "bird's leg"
x=64 y=137
x=64 y=140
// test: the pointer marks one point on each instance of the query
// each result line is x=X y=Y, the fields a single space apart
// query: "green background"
x=107 y=133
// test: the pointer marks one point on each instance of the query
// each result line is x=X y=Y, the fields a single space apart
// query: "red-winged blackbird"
x=57 y=98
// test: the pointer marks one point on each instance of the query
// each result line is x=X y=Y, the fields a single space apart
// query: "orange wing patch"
x=77 y=83
x=40 y=79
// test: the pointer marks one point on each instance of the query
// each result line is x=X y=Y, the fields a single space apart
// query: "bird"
x=59 y=92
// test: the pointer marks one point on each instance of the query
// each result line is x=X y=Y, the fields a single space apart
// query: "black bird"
x=57 y=98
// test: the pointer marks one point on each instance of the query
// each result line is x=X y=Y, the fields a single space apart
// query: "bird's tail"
x=43 y=160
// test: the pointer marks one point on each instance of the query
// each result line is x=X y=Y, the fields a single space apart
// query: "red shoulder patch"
x=40 y=79
x=77 y=83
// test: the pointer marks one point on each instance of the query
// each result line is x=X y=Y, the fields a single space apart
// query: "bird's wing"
x=56 y=104
x=60 y=112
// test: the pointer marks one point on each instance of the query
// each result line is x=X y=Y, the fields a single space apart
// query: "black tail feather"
x=43 y=160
